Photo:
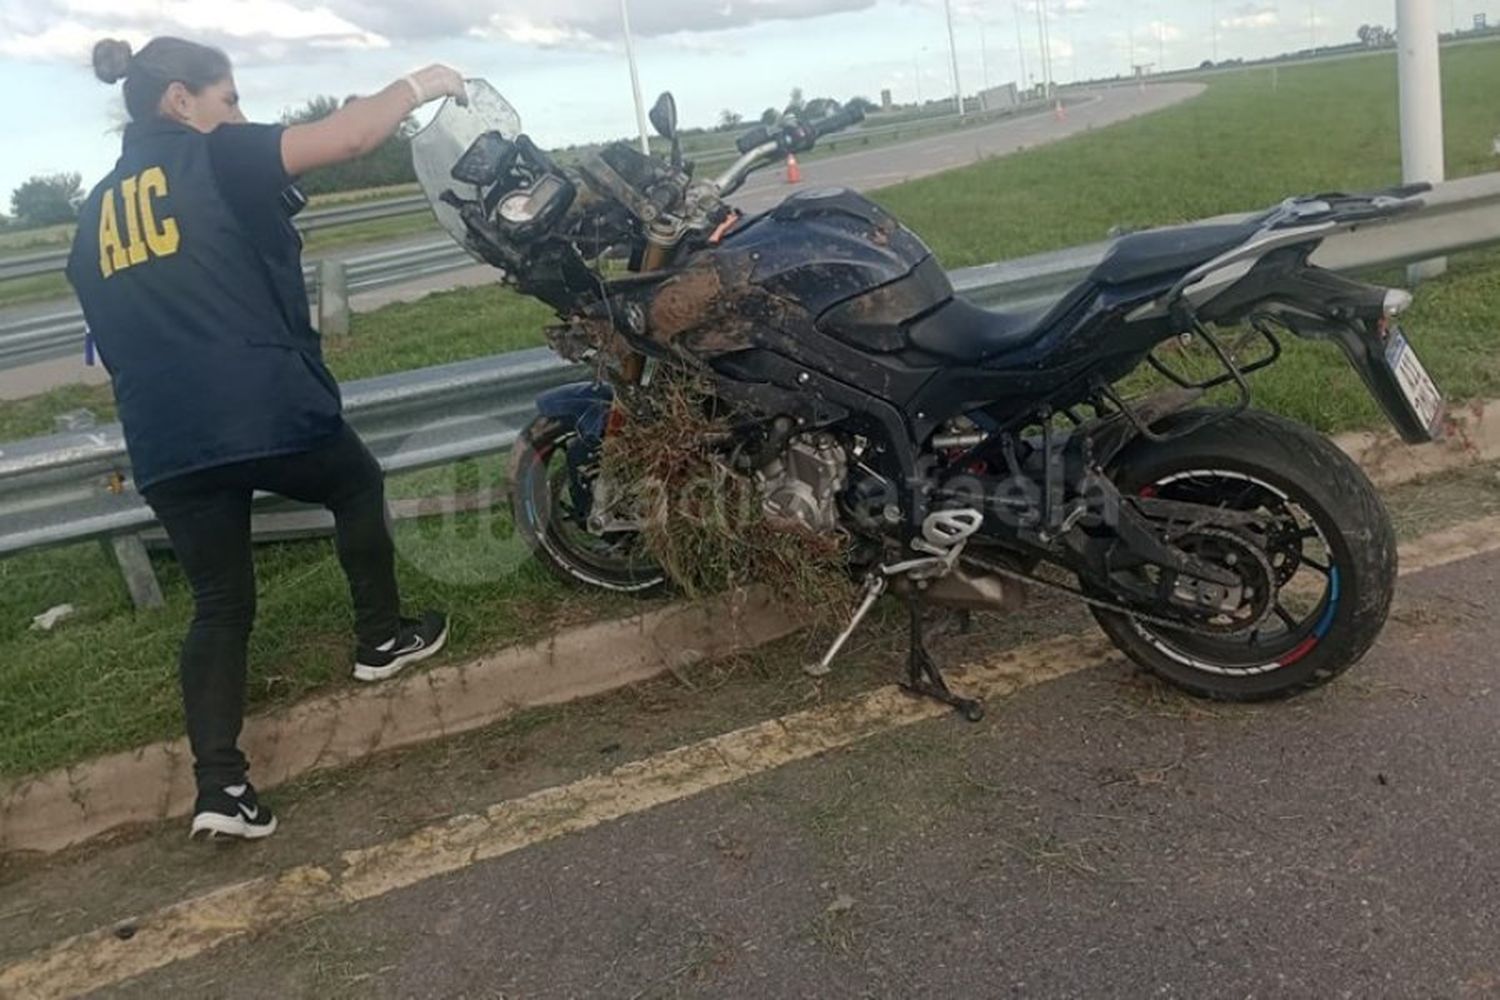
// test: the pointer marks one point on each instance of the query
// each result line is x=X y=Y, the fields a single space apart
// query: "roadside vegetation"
x=105 y=679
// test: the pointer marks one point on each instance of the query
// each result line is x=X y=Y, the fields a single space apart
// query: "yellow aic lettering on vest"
x=147 y=233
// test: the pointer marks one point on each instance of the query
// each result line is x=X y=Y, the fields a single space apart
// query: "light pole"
x=1020 y=42
x=984 y=57
x=1213 y=18
x=635 y=78
x=1419 y=65
x=1041 y=34
x=958 y=90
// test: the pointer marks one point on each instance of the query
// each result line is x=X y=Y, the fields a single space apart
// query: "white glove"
x=437 y=81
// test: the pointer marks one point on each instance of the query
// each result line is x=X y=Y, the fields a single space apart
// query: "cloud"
x=260 y=30
x=1158 y=31
x=248 y=29
x=1251 y=17
x=1055 y=8
x=591 y=22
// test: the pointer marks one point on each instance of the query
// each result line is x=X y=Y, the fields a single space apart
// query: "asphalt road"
x=879 y=167
x=1096 y=836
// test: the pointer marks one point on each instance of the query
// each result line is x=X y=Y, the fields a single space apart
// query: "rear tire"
x=1266 y=462
x=539 y=504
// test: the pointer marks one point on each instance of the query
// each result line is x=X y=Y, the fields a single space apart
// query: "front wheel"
x=1327 y=571
x=548 y=498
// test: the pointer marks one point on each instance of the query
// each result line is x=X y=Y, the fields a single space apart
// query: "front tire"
x=541 y=506
x=1333 y=530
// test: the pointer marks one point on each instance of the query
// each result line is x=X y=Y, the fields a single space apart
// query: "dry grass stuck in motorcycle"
x=706 y=525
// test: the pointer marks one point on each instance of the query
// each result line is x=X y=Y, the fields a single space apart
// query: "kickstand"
x=923 y=676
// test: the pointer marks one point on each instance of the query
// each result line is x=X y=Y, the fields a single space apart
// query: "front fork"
x=593 y=412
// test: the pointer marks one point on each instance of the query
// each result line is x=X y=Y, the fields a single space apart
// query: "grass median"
x=105 y=679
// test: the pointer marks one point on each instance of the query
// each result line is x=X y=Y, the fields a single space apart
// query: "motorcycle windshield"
x=439 y=146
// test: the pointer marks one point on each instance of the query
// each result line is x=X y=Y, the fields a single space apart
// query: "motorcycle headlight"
x=519 y=208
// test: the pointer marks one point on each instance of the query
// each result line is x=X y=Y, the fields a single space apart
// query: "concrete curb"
x=68 y=806
x=61 y=808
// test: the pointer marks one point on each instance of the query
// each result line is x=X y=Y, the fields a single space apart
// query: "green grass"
x=24 y=241
x=1240 y=146
x=105 y=679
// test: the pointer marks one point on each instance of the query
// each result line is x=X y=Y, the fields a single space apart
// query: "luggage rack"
x=1194 y=389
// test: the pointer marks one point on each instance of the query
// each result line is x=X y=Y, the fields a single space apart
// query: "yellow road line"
x=102 y=957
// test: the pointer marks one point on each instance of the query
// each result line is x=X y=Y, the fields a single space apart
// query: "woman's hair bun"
x=112 y=60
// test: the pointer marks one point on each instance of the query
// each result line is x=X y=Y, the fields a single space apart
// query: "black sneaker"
x=232 y=812
x=418 y=639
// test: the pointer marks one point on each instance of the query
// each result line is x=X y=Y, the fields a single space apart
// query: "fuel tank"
x=833 y=256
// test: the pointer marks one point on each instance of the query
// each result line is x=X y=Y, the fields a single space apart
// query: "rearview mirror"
x=664 y=116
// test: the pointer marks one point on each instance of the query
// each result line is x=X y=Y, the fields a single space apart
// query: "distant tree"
x=1206 y=64
x=770 y=117
x=819 y=107
x=1374 y=36
x=863 y=103
x=389 y=164
x=47 y=200
x=729 y=120
x=316 y=109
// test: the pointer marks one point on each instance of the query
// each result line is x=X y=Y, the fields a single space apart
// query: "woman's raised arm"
x=360 y=126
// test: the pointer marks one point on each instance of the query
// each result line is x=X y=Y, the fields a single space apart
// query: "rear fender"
x=1361 y=319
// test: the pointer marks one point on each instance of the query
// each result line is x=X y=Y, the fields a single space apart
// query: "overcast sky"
x=562 y=64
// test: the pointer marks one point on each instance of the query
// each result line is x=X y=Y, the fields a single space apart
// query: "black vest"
x=190 y=276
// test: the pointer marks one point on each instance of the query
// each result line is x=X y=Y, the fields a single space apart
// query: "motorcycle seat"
x=1175 y=250
x=969 y=334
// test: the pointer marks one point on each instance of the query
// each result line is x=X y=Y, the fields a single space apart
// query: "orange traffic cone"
x=793 y=172
x=1061 y=111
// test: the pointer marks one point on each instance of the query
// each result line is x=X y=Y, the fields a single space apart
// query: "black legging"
x=207 y=516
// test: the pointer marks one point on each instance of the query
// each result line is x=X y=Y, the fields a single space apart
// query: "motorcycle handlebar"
x=761 y=146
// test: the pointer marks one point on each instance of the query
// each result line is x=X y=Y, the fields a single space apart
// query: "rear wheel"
x=545 y=505
x=1321 y=580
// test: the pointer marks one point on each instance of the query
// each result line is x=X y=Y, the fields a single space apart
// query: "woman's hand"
x=438 y=81
x=361 y=126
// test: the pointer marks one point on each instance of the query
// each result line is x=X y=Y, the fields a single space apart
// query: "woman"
x=190 y=275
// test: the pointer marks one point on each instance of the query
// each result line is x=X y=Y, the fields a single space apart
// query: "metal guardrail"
x=41 y=338
x=74 y=487
x=59 y=334
x=1459 y=214
x=54 y=261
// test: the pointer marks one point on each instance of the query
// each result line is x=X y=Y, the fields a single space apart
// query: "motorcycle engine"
x=800 y=485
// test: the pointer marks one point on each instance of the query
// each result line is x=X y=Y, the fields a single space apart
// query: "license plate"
x=1416 y=385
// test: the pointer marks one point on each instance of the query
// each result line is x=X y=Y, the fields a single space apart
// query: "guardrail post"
x=333 y=298
x=135 y=566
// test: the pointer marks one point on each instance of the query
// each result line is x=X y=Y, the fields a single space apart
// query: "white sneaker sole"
x=218 y=825
x=370 y=675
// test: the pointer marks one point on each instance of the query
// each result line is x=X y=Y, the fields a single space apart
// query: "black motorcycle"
x=973 y=453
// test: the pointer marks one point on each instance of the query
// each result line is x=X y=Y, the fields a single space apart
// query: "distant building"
x=885 y=99
x=1481 y=22
x=998 y=98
